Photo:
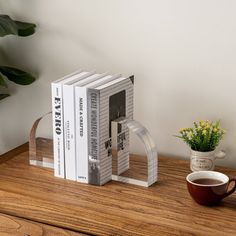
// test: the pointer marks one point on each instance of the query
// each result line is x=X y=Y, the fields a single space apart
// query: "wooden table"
x=34 y=202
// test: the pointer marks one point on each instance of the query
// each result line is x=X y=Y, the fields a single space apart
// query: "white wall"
x=183 y=55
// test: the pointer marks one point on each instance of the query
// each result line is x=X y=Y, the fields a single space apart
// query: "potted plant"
x=203 y=138
x=23 y=29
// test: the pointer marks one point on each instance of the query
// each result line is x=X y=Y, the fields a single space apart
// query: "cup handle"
x=231 y=190
x=220 y=155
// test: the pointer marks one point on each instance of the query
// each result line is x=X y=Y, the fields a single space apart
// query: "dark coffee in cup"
x=209 y=187
x=207 y=181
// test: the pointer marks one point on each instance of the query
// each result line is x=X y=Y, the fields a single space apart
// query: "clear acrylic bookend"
x=40 y=149
x=133 y=169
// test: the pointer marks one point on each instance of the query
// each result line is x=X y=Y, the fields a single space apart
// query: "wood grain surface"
x=14 y=226
x=115 y=208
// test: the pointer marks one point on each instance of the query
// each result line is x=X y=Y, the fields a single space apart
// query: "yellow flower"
x=202 y=123
x=190 y=134
x=199 y=128
x=182 y=130
x=215 y=130
x=204 y=132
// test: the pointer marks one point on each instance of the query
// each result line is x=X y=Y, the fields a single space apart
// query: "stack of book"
x=83 y=105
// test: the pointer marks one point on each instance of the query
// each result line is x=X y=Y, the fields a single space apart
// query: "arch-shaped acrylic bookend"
x=122 y=168
x=40 y=149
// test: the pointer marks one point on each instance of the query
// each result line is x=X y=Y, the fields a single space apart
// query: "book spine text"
x=93 y=137
x=69 y=131
x=58 y=132
x=81 y=134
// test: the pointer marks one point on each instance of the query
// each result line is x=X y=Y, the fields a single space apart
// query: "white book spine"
x=58 y=132
x=81 y=134
x=69 y=131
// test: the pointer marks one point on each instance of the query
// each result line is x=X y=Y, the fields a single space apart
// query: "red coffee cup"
x=209 y=187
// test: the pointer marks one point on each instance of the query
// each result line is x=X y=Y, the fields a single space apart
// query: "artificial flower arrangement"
x=204 y=136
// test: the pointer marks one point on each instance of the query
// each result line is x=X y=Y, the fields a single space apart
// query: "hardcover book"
x=106 y=103
x=69 y=123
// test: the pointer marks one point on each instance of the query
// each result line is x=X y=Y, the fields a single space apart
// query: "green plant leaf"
x=17 y=76
x=25 y=29
x=9 y=26
x=2 y=82
x=2 y=96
